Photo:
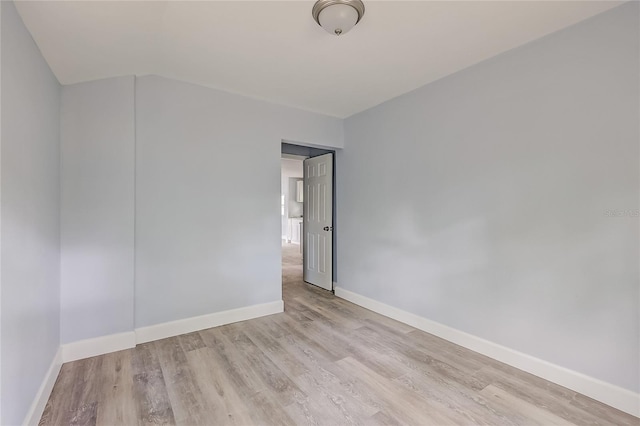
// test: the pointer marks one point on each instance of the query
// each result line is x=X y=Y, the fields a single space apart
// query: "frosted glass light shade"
x=338 y=18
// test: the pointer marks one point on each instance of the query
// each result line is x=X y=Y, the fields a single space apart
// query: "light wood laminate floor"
x=324 y=361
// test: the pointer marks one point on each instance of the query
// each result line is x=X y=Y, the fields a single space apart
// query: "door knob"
x=328 y=228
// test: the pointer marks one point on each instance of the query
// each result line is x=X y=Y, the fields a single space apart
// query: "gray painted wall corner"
x=498 y=209
x=30 y=240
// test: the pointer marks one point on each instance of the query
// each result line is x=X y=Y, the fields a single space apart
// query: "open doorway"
x=292 y=199
x=291 y=210
x=307 y=253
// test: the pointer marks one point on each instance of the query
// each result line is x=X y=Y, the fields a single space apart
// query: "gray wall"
x=97 y=201
x=208 y=197
x=30 y=299
x=480 y=201
x=196 y=172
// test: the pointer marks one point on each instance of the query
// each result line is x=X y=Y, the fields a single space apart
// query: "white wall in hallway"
x=290 y=169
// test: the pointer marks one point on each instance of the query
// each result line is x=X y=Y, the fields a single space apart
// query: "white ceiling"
x=273 y=50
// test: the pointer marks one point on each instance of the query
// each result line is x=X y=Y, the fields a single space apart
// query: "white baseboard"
x=40 y=401
x=188 y=325
x=98 y=346
x=617 y=397
x=117 y=342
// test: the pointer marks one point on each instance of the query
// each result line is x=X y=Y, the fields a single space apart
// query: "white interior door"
x=318 y=221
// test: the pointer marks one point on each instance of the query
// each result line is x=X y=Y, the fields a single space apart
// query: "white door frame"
x=327 y=149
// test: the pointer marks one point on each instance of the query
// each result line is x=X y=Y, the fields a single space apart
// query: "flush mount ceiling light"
x=338 y=16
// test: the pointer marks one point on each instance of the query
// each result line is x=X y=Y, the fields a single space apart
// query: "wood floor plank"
x=275 y=380
x=265 y=410
x=117 y=405
x=456 y=399
x=331 y=375
x=187 y=402
x=85 y=415
x=88 y=392
x=436 y=380
x=246 y=382
x=383 y=419
x=217 y=389
x=437 y=348
x=77 y=396
x=150 y=391
x=542 y=394
x=332 y=403
x=376 y=319
x=413 y=410
x=422 y=359
x=520 y=410
x=297 y=331
x=324 y=361
x=191 y=341
x=270 y=345
x=601 y=411
x=297 y=311
x=330 y=314
x=350 y=315
x=364 y=353
x=267 y=325
x=58 y=410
